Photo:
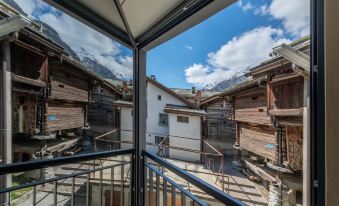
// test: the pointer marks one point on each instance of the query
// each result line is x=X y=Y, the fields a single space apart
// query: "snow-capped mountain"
x=221 y=86
x=210 y=86
x=89 y=60
x=85 y=57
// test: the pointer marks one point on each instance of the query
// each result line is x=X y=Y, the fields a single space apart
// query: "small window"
x=158 y=139
x=159 y=97
x=163 y=119
x=182 y=119
x=255 y=98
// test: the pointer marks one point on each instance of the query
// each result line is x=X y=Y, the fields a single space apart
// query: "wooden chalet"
x=218 y=126
x=268 y=109
x=53 y=95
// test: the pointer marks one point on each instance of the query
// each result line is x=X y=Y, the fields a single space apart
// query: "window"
x=163 y=119
x=182 y=119
x=159 y=97
x=158 y=139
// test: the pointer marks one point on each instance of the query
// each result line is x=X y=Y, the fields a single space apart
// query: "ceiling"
x=141 y=23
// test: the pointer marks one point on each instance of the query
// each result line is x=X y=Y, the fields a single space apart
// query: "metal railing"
x=111 y=182
x=212 y=191
x=104 y=176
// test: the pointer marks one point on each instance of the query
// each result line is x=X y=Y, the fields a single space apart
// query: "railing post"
x=55 y=193
x=112 y=186
x=100 y=187
x=122 y=185
x=150 y=188
x=87 y=189
x=139 y=125
x=34 y=196
x=73 y=190
x=173 y=196
x=165 y=193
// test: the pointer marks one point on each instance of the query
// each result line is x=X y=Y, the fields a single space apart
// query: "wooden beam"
x=286 y=112
x=29 y=81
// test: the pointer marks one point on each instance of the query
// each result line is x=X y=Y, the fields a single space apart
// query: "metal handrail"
x=40 y=164
x=204 y=186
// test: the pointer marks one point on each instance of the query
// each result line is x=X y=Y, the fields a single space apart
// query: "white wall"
x=154 y=108
x=179 y=131
x=174 y=128
x=126 y=127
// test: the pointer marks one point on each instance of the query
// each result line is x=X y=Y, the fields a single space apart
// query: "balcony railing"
x=104 y=178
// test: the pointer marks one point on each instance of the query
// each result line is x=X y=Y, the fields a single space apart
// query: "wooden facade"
x=68 y=97
x=218 y=129
x=269 y=117
x=268 y=110
x=258 y=139
x=251 y=106
x=52 y=95
x=101 y=110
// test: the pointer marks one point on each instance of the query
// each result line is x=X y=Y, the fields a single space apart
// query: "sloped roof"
x=170 y=92
x=302 y=44
x=176 y=109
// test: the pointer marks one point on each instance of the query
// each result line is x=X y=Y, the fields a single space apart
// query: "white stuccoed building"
x=172 y=120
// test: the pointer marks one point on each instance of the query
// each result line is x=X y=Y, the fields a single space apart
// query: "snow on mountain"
x=82 y=55
x=89 y=60
x=221 y=86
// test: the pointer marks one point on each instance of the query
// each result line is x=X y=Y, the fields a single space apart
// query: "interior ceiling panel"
x=142 y=14
x=145 y=18
x=105 y=9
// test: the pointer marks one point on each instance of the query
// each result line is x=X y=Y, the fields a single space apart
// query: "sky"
x=227 y=44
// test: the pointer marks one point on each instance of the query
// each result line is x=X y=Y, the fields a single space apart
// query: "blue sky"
x=224 y=45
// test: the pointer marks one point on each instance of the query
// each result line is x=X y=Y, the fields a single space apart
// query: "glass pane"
x=69 y=88
x=236 y=102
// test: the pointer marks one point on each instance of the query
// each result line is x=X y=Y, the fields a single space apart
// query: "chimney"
x=193 y=90
x=153 y=77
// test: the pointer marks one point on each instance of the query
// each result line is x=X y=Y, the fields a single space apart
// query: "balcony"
x=106 y=178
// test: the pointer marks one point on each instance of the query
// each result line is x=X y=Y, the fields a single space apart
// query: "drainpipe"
x=306 y=144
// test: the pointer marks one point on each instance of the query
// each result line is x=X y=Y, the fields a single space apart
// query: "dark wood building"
x=218 y=127
x=54 y=97
x=269 y=110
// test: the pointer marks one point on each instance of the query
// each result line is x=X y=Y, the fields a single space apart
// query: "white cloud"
x=188 y=47
x=30 y=6
x=79 y=36
x=261 y=10
x=245 y=6
x=238 y=54
x=295 y=15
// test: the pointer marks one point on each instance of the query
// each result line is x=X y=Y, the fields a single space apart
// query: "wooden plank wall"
x=251 y=107
x=29 y=107
x=101 y=110
x=287 y=94
x=218 y=123
x=294 y=143
x=259 y=139
x=67 y=86
x=64 y=116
